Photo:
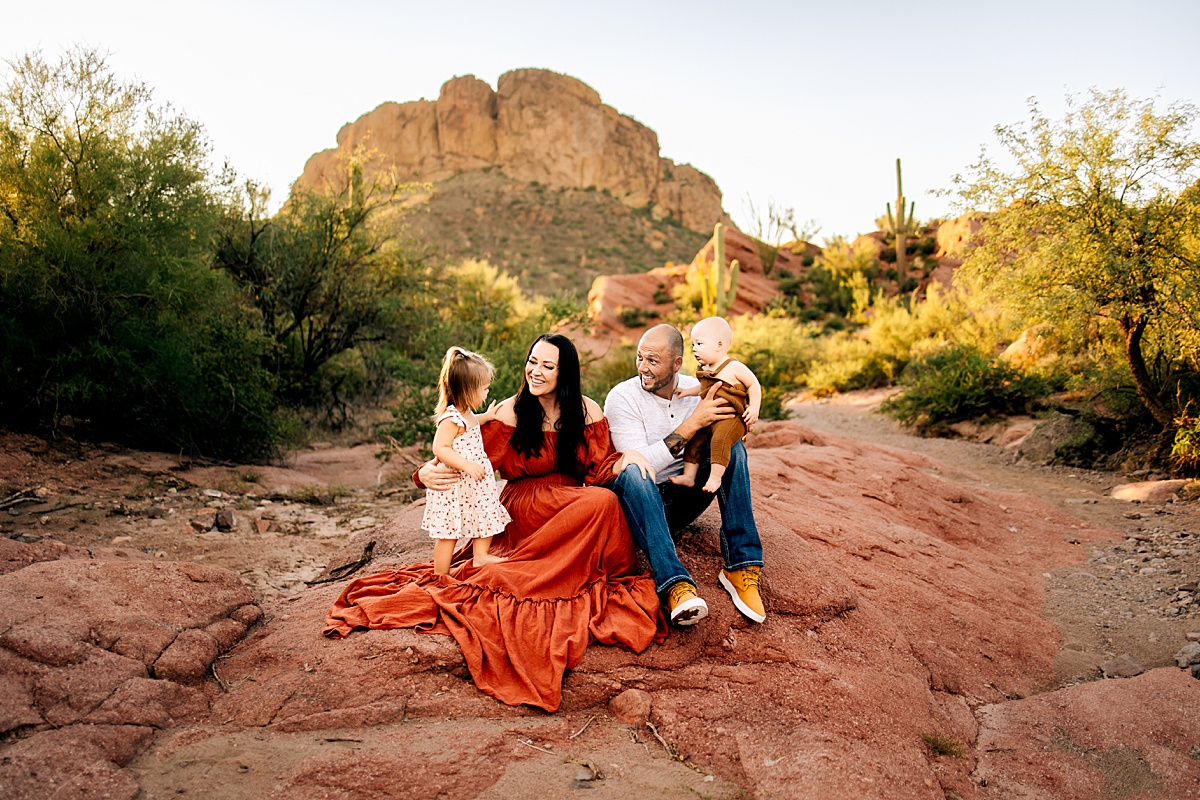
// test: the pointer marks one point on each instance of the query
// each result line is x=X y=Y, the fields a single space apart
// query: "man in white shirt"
x=642 y=416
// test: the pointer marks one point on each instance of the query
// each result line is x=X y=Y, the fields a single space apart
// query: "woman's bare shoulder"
x=592 y=410
x=506 y=411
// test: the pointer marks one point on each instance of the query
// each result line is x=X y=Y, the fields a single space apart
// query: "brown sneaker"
x=686 y=606
x=742 y=585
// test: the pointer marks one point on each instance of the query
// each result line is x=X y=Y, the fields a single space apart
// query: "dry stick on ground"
x=528 y=743
x=597 y=775
x=23 y=496
x=584 y=728
x=346 y=570
x=671 y=751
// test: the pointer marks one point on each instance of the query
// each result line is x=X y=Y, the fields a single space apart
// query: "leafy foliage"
x=111 y=313
x=778 y=350
x=1097 y=230
x=958 y=382
x=1185 y=450
x=325 y=273
x=483 y=309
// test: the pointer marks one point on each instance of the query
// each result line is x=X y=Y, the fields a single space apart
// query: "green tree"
x=1095 y=227
x=109 y=310
x=327 y=273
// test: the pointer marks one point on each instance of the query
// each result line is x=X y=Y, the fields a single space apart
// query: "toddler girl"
x=472 y=509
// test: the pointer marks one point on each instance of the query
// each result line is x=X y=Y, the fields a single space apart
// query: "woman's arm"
x=443 y=448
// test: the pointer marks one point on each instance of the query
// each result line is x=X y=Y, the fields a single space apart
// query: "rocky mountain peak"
x=537 y=125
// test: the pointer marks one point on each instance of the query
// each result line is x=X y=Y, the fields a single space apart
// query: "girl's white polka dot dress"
x=472 y=508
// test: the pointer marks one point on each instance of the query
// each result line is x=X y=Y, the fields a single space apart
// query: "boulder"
x=1101 y=739
x=1148 y=491
x=954 y=236
x=631 y=706
x=95 y=657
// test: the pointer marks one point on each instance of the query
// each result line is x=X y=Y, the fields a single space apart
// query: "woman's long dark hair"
x=527 y=438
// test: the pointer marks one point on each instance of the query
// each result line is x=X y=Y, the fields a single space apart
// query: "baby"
x=711 y=338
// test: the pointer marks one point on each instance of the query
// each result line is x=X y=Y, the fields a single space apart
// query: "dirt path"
x=1135 y=593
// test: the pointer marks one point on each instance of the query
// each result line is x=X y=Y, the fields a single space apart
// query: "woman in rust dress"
x=571 y=573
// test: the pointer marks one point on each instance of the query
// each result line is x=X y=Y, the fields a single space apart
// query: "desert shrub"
x=831 y=274
x=482 y=309
x=897 y=329
x=632 y=317
x=110 y=311
x=847 y=362
x=941 y=745
x=778 y=350
x=1185 y=451
x=604 y=373
x=958 y=382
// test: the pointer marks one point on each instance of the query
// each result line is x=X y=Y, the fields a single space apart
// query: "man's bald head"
x=659 y=357
x=667 y=337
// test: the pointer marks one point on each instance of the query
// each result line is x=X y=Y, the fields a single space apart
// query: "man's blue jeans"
x=654 y=512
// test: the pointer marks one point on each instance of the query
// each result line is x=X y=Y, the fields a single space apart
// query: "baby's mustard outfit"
x=725 y=433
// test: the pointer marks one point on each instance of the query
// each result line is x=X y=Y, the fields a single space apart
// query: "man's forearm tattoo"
x=675 y=443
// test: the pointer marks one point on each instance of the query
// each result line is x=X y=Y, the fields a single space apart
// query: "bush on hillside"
x=958 y=382
x=110 y=312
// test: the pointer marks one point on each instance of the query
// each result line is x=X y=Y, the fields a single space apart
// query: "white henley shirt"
x=640 y=420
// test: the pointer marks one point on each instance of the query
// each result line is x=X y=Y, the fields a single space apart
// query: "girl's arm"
x=443 y=447
x=487 y=416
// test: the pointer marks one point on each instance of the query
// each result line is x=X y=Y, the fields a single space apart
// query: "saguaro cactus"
x=717 y=298
x=901 y=225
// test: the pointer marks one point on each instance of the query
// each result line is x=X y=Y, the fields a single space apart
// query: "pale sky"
x=805 y=103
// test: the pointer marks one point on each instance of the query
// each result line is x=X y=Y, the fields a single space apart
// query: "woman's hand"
x=638 y=460
x=437 y=477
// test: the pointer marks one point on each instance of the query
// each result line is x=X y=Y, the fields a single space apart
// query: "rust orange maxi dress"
x=571 y=578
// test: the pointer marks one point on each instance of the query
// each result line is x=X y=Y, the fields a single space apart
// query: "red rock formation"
x=97 y=655
x=537 y=126
x=612 y=293
x=901 y=606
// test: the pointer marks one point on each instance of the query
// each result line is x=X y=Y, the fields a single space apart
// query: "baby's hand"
x=750 y=416
x=678 y=393
x=476 y=471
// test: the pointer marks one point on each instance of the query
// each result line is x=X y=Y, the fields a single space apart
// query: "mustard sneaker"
x=686 y=606
x=742 y=585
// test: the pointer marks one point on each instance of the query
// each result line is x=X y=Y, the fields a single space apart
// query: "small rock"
x=1148 y=491
x=1123 y=666
x=1196 y=671
x=631 y=706
x=262 y=525
x=1188 y=655
x=225 y=520
x=212 y=493
x=1193 y=636
x=1188 y=587
x=156 y=512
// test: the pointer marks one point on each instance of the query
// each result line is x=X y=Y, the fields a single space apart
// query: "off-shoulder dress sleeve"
x=601 y=456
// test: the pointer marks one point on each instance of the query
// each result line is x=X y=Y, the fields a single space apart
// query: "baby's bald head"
x=711 y=338
x=714 y=328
